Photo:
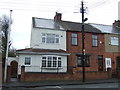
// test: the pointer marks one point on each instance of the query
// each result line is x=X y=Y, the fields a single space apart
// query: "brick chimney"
x=116 y=23
x=58 y=17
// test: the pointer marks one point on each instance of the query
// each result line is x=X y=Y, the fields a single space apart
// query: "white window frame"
x=50 y=38
x=27 y=58
x=114 y=41
x=58 y=61
x=108 y=63
x=95 y=40
x=74 y=39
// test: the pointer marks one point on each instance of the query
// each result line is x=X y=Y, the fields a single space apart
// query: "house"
x=55 y=51
x=47 y=52
x=112 y=44
x=94 y=39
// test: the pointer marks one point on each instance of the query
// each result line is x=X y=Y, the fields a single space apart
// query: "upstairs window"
x=74 y=39
x=50 y=38
x=27 y=60
x=94 y=40
x=114 y=40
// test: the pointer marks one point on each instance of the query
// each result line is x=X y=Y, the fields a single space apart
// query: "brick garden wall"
x=32 y=76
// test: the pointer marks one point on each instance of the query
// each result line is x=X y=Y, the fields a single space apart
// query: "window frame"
x=74 y=38
x=115 y=43
x=27 y=58
x=49 y=38
x=86 y=64
x=94 y=40
x=54 y=63
x=44 y=62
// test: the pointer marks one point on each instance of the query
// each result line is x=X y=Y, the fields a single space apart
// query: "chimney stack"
x=116 y=23
x=58 y=16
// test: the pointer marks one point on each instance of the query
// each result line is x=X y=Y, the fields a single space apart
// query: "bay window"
x=51 y=61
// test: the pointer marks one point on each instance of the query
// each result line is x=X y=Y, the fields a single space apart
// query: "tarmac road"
x=101 y=86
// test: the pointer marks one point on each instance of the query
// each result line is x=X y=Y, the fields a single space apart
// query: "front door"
x=118 y=67
x=118 y=63
x=100 y=62
x=14 y=68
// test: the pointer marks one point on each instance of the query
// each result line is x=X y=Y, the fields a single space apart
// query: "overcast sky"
x=98 y=11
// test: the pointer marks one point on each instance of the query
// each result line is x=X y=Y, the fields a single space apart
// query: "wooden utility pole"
x=83 y=43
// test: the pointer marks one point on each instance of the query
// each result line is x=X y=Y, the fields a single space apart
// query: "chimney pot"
x=58 y=16
x=116 y=23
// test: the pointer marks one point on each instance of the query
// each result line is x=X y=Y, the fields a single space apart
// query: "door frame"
x=13 y=69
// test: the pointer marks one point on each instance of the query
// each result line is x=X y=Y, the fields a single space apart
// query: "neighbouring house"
x=55 y=51
x=112 y=45
x=94 y=39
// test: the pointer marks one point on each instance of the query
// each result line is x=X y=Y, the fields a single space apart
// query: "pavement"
x=16 y=83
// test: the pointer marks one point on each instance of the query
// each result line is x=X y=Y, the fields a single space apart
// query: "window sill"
x=95 y=46
x=27 y=65
x=51 y=43
x=114 y=45
x=74 y=45
x=82 y=66
x=54 y=68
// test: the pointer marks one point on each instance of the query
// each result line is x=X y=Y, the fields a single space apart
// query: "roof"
x=107 y=28
x=74 y=26
x=46 y=23
x=41 y=51
x=62 y=25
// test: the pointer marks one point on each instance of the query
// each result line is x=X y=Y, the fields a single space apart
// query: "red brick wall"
x=77 y=75
x=22 y=78
x=94 y=51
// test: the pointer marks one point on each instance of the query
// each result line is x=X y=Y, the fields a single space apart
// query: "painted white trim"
x=43 y=53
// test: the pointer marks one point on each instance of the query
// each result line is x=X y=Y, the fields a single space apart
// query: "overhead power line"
x=51 y=6
x=37 y=4
x=100 y=4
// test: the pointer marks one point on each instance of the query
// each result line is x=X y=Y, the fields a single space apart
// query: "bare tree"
x=4 y=29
